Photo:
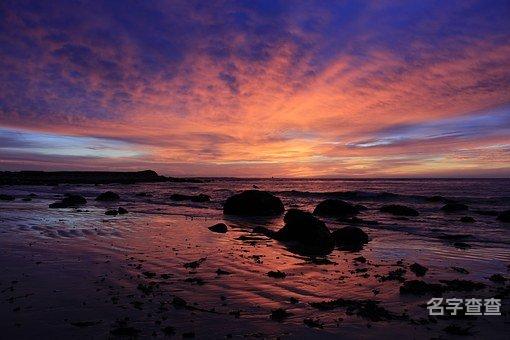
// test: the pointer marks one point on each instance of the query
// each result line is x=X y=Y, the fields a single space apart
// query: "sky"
x=257 y=88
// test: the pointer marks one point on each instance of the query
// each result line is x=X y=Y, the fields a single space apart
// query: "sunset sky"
x=257 y=88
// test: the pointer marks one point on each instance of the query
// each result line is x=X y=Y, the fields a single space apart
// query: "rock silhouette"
x=253 y=203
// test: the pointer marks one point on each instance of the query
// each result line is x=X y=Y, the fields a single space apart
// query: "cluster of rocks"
x=301 y=229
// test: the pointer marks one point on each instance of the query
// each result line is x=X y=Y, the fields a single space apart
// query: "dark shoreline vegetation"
x=329 y=234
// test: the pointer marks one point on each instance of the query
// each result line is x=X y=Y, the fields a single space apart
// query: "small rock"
x=504 y=216
x=454 y=207
x=498 y=278
x=399 y=210
x=279 y=314
x=276 y=274
x=4 y=197
x=122 y=211
x=219 y=228
x=467 y=219
x=111 y=212
x=108 y=196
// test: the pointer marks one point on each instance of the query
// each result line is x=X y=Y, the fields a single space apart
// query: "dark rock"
x=293 y=300
x=504 y=216
x=467 y=219
x=69 y=201
x=143 y=194
x=194 y=198
x=454 y=207
x=219 y=228
x=418 y=269
x=305 y=229
x=350 y=237
x=313 y=323
x=461 y=245
x=26 y=199
x=111 y=212
x=437 y=198
x=108 y=196
x=279 y=314
x=335 y=208
x=276 y=274
x=253 y=203
x=460 y=270
x=498 y=278
x=417 y=287
x=179 y=302
x=487 y=212
x=194 y=264
x=222 y=272
x=458 y=330
x=4 y=197
x=399 y=210
x=455 y=237
x=122 y=211
x=360 y=259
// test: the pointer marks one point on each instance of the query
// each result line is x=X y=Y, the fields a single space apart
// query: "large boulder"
x=504 y=216
x=69 y=201
x=108 y=196
x=454 y=207
x=399 y=210
x=350 y=237
x=307 y=231
x=253 y=203
x=335 y=208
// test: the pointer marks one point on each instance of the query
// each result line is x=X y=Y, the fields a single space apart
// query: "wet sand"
x=77 y=273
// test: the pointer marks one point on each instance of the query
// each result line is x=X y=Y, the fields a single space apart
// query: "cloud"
x=300 y=89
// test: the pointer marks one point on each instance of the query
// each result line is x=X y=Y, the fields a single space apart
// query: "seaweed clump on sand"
x=367 y=309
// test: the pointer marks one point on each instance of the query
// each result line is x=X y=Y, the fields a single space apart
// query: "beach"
x=158 y=270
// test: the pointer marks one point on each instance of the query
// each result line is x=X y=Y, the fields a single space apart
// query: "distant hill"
x=84 y=177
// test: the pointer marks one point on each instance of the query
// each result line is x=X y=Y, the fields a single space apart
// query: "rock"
x=122 y=211
x=437 y=198
x=498 y=278
x=143 y=194
x=418 y=269
x=219 y=228
x=313 y=323
x=305 y=229
x=487 y=212
x=108 y=196
x=69 y=201
x=504 y=216
x=460 y=270
x=335 y=208
x=193 y=198
x=467 y=219
x=279 y=314
x=276 y=274
x=454 y=207
x=462 y=245
x=399 y=210
x=350 y=237
x=111 y=212
x=253 y=203
x=26 y=199
x=4 y=197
